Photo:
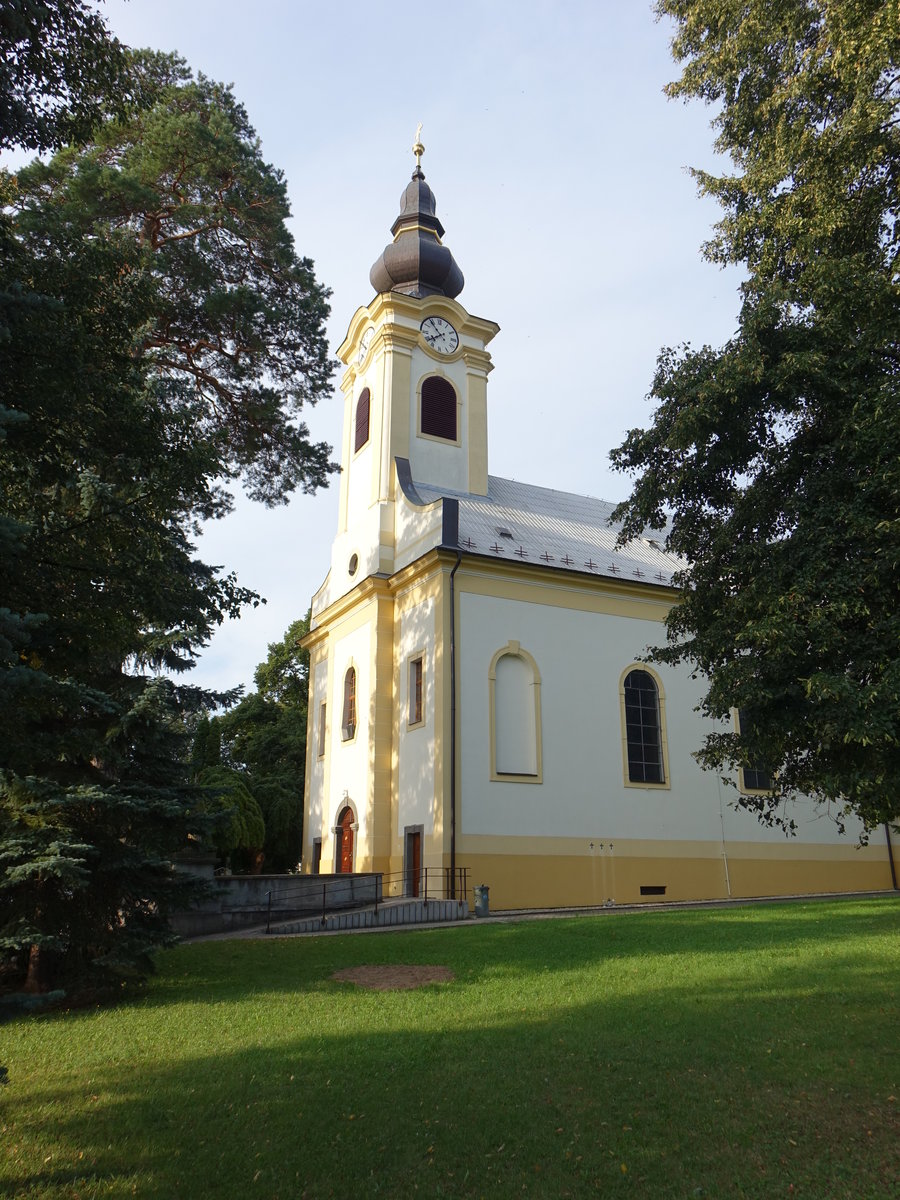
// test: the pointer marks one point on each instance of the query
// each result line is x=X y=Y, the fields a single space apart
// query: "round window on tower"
x=353 y=564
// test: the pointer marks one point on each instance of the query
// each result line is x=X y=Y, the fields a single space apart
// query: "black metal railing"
x=324 y=895
x=426 y=883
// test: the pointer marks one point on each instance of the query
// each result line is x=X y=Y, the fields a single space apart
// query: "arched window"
x=515 y=716
x=755 y=777
x=348 y=719
x=644 y=748
x=439 y=408
x=362 y=419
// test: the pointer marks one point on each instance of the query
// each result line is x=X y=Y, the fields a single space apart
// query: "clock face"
x=364 y=343
x=440 y=335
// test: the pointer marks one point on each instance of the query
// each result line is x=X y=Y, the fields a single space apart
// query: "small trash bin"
x=481 y=891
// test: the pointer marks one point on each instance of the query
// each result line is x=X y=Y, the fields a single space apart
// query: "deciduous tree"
x=265 y=737
x=776 y=459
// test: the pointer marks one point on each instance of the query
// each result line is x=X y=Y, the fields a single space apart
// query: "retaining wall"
x=241 y=901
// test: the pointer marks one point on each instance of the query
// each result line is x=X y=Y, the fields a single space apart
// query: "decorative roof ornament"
x=416 y=263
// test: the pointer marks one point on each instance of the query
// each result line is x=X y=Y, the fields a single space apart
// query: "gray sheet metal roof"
x=555 y=530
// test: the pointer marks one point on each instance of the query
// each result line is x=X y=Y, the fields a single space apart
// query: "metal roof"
x=557 y=530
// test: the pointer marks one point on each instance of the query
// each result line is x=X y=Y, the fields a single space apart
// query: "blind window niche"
x=515 y=685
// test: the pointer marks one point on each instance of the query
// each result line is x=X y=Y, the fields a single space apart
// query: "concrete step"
x=402 y=912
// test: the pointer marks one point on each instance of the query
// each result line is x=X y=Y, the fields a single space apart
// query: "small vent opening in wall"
x=654 y=889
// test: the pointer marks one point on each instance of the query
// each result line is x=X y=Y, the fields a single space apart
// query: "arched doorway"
x=344 y=835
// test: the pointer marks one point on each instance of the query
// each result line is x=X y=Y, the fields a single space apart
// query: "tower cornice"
x=407 y=313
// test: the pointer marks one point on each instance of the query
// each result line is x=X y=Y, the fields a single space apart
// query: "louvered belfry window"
x=439 y=408
x=362 y=419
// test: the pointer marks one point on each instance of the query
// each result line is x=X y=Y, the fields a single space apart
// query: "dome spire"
x=416 y=263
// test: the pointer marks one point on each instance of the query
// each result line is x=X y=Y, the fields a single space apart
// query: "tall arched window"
x=348 y=718
x=515 y=716
x=439 y=408
x=362 y=420
x=644 y=746
x=755 y=777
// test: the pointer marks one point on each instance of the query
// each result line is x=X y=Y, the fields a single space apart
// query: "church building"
x=477 y=696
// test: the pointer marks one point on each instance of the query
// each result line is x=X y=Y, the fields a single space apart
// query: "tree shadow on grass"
x=691 y=1089
x=517 y=951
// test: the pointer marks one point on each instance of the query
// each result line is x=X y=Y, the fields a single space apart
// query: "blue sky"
x=559 y=169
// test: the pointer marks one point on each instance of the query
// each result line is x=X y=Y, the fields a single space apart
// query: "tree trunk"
x=36 y=976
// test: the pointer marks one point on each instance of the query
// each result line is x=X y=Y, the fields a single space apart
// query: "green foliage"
x=232 y=319
x=227 y=794
x=86 y=878
x=776 y=459
x=158 y=334
x=207 y=750
x=264 y=736
x=58 y=66
x=284 y=676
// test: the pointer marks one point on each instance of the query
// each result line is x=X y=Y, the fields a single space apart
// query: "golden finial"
x=418 y=149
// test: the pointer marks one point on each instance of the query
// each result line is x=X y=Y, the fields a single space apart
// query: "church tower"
x=379 y=779
x=415 y=384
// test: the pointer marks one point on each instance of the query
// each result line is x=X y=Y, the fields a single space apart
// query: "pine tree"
x=158 y=333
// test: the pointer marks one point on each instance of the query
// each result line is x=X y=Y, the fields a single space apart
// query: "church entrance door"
x=345 y=841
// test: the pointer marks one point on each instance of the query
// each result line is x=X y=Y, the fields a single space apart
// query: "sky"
x=560 y=174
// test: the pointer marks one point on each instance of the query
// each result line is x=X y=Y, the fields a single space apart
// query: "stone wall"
x=242 y=901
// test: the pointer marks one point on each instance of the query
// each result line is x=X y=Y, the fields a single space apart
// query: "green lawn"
x=745 y=1052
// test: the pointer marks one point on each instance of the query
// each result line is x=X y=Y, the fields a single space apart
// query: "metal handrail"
x=428 y=884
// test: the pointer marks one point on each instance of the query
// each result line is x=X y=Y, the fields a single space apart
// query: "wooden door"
x=413 y=863
x=345 y=848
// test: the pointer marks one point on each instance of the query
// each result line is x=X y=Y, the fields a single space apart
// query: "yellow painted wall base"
x=548 y=881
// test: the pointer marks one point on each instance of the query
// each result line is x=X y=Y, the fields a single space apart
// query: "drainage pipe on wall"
x=453 y=729
x=887 y=834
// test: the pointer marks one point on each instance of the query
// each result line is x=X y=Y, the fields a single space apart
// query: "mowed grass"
x=741 y=1052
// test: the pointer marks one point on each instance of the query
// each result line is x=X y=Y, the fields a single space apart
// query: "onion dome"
x=416 y=263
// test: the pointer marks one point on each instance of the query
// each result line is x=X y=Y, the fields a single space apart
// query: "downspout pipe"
x=453 y=728
x=887 y=834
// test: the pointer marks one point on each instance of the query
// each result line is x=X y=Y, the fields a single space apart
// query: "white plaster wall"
x=416 y=530
x=362 y=540
x=581 y=657
x=316 y=817
x=359 y=483
x=416 y=747
x=349 y=761
x=441 y=464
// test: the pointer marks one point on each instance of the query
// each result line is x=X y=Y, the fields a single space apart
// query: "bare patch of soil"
x=393 y=978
